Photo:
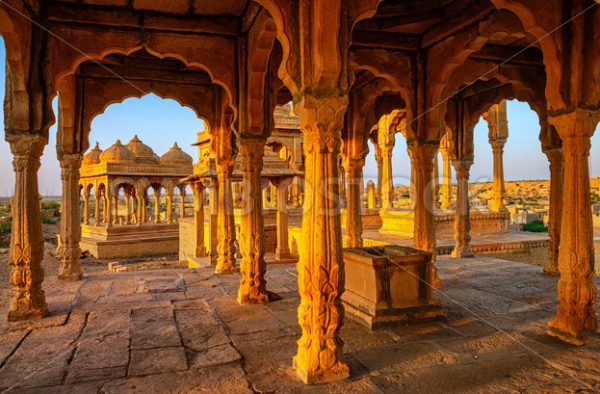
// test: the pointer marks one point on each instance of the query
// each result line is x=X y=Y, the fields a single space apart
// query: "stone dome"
x=117 y=153
x=142 y=152
x=93 y=156
x=176 y=156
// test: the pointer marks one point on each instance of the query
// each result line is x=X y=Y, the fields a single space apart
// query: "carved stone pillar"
x=182 y=201
x=70 y=224
x=321 y=267
x=422 y=156
x=169 y=198
x=462 y=222
x=379 y=160
x=253 y=286
x=157 y=205
x=435 y=183
x=144 y=205
x=86 y=202
x=97 y=199
x=498 y=190
x=213 y=207
x=225 y=219
x=446 y=198
x=127 y=198
x=387 y=185
x=283 y=249
x=354 y=178
x=26 y=242
x=343 y=186
x=576 y=290
x=555 y=156
x=115 y=205
x=141 y=206
x=105 y=208
x=198 y=189
x=109 y=214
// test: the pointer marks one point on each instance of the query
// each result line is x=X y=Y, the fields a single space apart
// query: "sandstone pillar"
x=26 y=242
x=343 y=186
x=253 y=286
x=169 y=198
x=105 y=208
x=370 y=195
x=283 y=249
x=97 y=199
x=555 y=157
x=379 y=160
x=70 y=224
x=354 y=178
x=141 y=206
x=109 y=214
x=446 y=198
x=198 y=189
x=498 y=133
x=182 y=201
x=422 y=157
x=127 y=199
x=435 y=183
x=387 y=185
x=144 y=205
x=86 y=202
x=157 y=205
x=498 y=189
x=576 y=290
x=462 y=223
x=115 y=204
x=213 y=221
x=225 y=219
x=321 y=268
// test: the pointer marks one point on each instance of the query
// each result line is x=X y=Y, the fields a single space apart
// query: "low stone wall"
x=401 y=223
x=370 y=218
x=528 y=252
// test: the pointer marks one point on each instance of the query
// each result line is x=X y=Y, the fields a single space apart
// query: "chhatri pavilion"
x=132 y=170
x=355 y=70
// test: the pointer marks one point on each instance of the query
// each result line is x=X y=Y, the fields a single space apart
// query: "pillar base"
x=75 y=276
x=30 y=313
x=337 y=372
x=283 y=254
x=551 y=270
x=462 y=252
x=569 y=337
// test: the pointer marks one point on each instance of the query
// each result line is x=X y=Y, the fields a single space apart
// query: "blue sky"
x=160 y=122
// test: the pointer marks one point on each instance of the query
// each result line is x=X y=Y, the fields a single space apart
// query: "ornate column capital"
x=26 y=149
x=321 y=122
x=498 y=145
x=251 y=152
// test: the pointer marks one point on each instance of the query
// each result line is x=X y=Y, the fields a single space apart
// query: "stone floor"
x=181 y=330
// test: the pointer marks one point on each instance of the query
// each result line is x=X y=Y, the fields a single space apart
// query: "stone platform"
x=182 y=331
x=131 y=240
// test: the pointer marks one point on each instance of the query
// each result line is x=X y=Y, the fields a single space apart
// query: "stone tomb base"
x=125 y=241
x=387 y=285
x=399 y=222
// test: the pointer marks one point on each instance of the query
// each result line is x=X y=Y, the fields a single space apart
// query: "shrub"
x=50 y=205
x=47 y=220
x=537 y=226
x=5 y=226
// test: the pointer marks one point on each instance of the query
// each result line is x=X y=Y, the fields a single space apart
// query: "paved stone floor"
x=180 y=331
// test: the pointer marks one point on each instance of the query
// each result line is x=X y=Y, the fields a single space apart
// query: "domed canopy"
x=93 y=156
x=117 y=154
x=176 y=156
x=142 y=152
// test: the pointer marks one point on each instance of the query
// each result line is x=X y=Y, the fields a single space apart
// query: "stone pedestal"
x=388 y=285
